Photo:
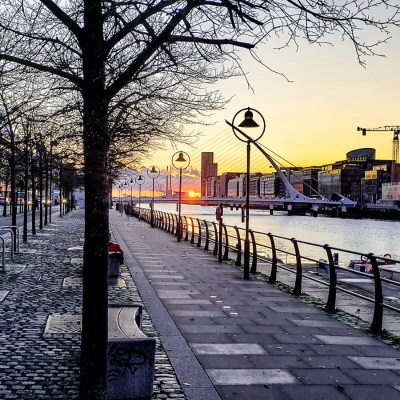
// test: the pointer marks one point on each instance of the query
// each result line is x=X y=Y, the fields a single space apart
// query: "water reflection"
x=364 y=235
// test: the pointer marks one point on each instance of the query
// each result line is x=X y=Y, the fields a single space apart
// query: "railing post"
x=254 y=257
x=15 y=230
x=220 y=257
x=173 y=217
x=165 y=221
x=376 y=325
x=238 y=247
x=207 y=236
x=179 y=227
x=274 y=261
x=297 y=285
x=199 y=237
x=186 y=229
x=216 y=239
x=3 y=253
x=192 y=237
x=226 y=252
x=331 y=302
x=3 y=228
x=169 y=223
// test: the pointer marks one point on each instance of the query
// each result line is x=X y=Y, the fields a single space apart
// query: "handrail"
x=192 y=236
x=226 y=251
x=3 y=228
x=3 y=253
x=330 y=280
x=238 y=247
x=253 y=268
x=186 y=229
x=199 y=236
x=16 y=236
x=217 y=239
x=331 y=302
x=207 y=235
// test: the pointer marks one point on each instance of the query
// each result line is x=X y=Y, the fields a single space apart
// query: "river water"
x=359 y=235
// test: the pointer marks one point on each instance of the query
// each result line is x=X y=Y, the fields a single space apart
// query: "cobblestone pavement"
x=40 y=306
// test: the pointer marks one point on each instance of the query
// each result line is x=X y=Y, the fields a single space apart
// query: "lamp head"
x=180 y=158
x=248 y=121
x=153 y=170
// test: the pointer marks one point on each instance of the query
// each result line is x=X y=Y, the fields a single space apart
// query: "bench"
x=130 y=354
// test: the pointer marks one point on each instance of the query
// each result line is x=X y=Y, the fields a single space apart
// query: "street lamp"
x=140 y=180
x=181 y=162
x=125 y=191
x=131 y=183
x=153 y=172
x=248 y=122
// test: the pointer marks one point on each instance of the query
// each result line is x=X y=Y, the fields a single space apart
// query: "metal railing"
x=225 y=240
x=14 y=241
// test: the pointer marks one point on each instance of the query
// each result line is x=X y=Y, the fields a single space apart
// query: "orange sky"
x=313 y=119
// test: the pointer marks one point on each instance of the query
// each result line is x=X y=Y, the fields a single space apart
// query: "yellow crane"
x=395 y=149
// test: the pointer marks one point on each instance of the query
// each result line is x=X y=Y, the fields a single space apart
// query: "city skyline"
x=192 y=178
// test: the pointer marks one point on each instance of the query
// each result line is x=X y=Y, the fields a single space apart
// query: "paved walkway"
x=218 y=336
x=233 y=339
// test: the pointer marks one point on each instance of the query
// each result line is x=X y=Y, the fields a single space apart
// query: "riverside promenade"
x=218 y=336
x=228 y=338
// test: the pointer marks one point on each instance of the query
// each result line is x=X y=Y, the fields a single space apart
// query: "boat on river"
x=388 y=268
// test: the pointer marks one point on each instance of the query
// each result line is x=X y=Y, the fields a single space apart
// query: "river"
x=360 y=235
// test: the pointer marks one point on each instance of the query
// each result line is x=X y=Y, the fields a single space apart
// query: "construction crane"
x=395 y=149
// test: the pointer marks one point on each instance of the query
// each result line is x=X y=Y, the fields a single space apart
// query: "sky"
x=311 y=120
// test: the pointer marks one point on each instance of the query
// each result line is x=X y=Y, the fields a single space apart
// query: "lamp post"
x=120 y=193
x=131 y=183
x=140 y=180
x=181 y=162
x=126 y=189
x=248 y=122
x=153 y=172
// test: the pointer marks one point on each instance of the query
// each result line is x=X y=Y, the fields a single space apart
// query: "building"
x=237 y=186
x=371 y=184
x=223 y=182
x=310 y=181
x=213 y=186
x=272 y=186
x=255 y=184
x=208 y=169
x=345 y=177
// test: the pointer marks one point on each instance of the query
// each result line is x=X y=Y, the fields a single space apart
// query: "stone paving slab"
x=246 y=338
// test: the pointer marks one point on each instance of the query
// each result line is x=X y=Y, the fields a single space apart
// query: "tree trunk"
x=5 y=195
x=95 y=260
x=40 y=189
x=46 y=189
x=34 y=199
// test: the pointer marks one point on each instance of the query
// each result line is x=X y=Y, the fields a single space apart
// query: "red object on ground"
x=114 y=248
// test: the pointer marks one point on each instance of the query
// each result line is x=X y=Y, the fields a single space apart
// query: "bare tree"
x=109 y=50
